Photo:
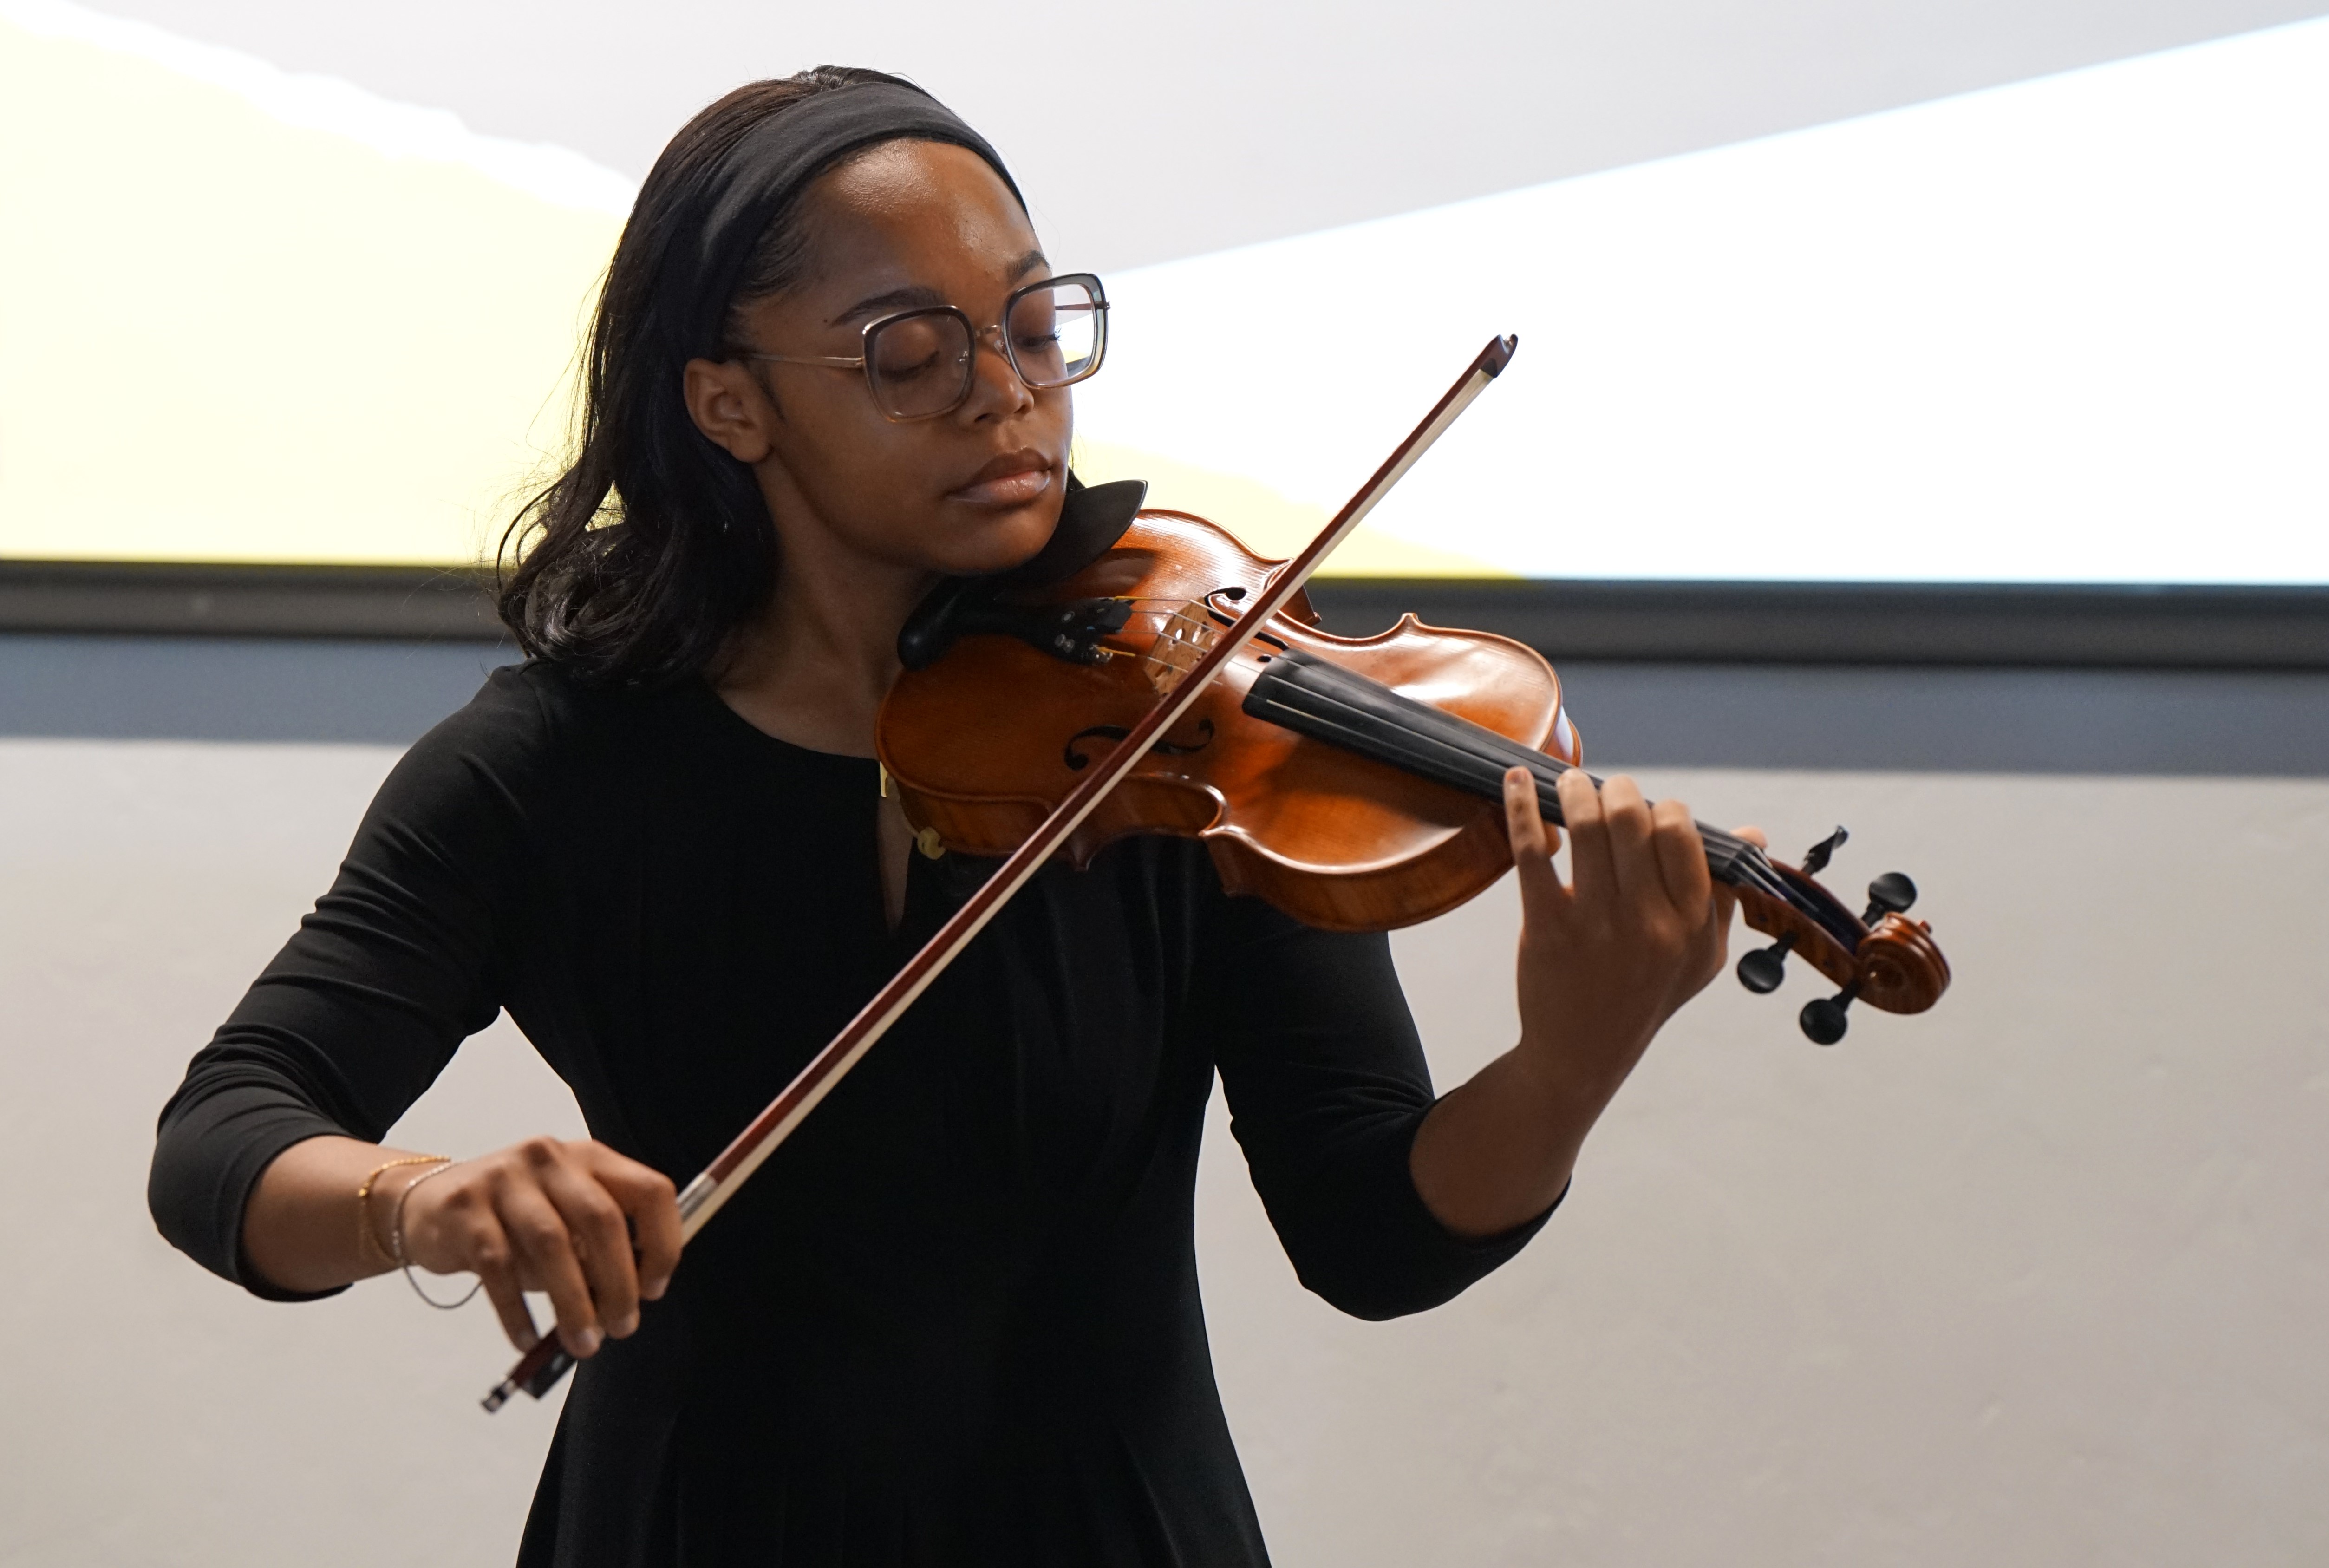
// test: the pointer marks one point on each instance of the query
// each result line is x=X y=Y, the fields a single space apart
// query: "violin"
x=1145 y=673
x=1356 y=783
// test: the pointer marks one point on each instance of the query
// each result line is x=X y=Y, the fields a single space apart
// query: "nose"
x=994 y=373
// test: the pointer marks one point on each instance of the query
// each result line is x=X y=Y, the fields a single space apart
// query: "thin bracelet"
x=396 y=1241
x=366 y=1240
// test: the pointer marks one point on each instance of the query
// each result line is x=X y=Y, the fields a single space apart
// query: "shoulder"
x=530 y=734
x=521 y=710
x=535 y=715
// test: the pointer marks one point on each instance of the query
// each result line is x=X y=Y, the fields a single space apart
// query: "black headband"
x=773 y=163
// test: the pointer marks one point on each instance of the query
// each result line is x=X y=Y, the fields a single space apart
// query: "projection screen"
x=2069 y=329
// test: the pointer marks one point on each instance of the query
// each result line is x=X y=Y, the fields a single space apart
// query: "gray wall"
x=2034 y=1279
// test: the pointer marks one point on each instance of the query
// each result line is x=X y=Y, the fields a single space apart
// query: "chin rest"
x=1093 y=518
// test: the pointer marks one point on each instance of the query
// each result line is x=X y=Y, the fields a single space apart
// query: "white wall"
x=2036 y=1278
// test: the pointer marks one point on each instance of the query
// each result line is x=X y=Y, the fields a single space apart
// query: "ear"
x=727 y=405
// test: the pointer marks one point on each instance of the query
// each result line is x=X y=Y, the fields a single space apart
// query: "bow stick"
x=539 y=1370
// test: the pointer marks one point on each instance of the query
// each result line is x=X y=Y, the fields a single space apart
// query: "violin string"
x=1734 y=860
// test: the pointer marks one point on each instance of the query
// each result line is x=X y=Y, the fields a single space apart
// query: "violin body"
x=1395 y=819
x=977 y=745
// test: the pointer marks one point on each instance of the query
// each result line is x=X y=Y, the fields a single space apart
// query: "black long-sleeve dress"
x=956 y=1318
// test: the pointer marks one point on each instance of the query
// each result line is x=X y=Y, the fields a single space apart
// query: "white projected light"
x=2072 y=329
x=2067 y=330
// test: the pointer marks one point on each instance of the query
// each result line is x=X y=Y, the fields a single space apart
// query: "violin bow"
x=539 y=1370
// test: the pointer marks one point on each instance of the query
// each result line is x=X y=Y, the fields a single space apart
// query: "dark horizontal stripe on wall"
x=2095 y=626
x=1859 y=623
x=1951 y=719
x=222 y=688
x=157 y=599
x=1889 y=717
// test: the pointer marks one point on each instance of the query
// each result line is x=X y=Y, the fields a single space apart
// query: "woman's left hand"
x=1639 y=930
x=1605 y=961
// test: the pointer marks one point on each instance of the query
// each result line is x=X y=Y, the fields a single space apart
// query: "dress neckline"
x=701 y=692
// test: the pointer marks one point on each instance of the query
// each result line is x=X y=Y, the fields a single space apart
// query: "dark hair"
x=636 y=564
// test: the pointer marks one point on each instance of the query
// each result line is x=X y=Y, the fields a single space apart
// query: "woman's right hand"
x=595 y=1229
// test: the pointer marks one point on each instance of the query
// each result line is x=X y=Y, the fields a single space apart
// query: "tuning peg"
x=1890 y=894
x=1761 y=970
x=1817 y=857
x=1823 y=1018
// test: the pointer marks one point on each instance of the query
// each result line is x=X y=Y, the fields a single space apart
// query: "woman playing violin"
x=956 y=1318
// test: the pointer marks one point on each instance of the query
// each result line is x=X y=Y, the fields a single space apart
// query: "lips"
x=1013 y=479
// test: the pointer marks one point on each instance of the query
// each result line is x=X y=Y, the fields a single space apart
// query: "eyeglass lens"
x=921 y=364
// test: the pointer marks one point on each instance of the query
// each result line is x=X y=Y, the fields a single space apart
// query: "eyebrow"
x=917 y=296
x=895 y=300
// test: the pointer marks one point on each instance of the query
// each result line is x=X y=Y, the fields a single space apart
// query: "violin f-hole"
x=1078 y=762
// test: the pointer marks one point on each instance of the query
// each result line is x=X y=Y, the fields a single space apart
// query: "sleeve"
x=1327 y=1085
x=367 y=1001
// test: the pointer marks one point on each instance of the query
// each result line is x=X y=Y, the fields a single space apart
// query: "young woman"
x=956 y=1318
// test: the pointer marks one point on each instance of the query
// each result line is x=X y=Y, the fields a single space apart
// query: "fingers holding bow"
x=599 y=1232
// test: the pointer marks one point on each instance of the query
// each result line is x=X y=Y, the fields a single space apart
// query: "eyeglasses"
x=921 y=364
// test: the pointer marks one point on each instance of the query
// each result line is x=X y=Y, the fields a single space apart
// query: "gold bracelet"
x=404 y=1260
x=363 y=1201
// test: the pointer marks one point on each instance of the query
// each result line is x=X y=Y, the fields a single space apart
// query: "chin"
x=1000 y=540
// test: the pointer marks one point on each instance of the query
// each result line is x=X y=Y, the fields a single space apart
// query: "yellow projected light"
x=1266 y=522
x=233 y=331
x=247 y=315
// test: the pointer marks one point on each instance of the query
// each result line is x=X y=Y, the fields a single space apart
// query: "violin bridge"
x=1187 y=635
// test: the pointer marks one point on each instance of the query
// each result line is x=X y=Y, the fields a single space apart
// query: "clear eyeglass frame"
x=868 y=361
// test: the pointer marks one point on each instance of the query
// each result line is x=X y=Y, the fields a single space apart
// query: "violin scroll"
x=1890 y=961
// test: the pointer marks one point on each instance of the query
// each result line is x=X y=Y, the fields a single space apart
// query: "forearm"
x=1498 y=1151
x=304 y=1228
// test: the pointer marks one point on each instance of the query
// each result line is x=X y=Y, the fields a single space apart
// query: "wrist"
x=380 y=1198
x=409 y=1228
x=401 y=1246
x=1571 y=1079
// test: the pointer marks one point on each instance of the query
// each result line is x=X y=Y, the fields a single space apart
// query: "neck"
x=814 y=667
